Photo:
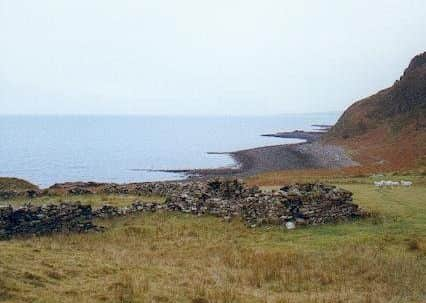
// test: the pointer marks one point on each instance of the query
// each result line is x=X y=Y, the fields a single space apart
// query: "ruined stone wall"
x=301 y=204
x=311 y=203
x=298 y=204
x=13 y=194
x=144 y=188
x=39 y=220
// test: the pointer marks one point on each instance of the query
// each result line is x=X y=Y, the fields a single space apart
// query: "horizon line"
x=161 y=115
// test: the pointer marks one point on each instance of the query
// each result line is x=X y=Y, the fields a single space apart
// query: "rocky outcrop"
x=46 y=219
x=385 y=132
x=309 y=136
x=397 y=107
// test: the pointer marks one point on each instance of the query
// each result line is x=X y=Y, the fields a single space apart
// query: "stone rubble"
x=13 y=194
x=46 y=219
x=299 y=203
x=292 y=205
x=144 y=188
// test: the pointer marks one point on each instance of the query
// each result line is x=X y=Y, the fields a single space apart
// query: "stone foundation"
x=298 y=204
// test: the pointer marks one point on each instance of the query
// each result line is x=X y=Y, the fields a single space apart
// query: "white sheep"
x=379 y=183
x=385 y=183
x=406 y=183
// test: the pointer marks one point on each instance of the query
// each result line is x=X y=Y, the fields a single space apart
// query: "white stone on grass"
x=290 y=225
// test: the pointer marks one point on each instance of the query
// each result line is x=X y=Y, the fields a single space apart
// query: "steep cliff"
x=388 y=128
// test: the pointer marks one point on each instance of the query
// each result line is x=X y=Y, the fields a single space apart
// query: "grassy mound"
x=16 y=184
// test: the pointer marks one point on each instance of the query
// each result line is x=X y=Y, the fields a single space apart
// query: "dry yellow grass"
x=168 y=257
x=340 y=176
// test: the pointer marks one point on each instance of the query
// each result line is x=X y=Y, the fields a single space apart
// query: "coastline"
x=311 y=154
x=306 y=155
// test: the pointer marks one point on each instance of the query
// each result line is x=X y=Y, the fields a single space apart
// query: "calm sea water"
x=50 y=149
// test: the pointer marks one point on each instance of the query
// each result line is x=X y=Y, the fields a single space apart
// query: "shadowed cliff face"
x=388 y=130
x=395 y=108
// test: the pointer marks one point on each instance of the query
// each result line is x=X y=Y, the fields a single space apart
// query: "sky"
x=211 y=57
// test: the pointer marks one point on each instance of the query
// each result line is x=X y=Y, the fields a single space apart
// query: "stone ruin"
x=298 y=204
x=13 y=194
x=46 y=219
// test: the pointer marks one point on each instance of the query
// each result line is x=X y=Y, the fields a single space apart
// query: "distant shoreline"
x=311 y=154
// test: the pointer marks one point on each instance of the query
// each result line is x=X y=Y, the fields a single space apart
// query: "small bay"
x=51 y=149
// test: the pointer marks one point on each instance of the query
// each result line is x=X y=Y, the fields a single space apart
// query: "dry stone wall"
x=13 y=194
x=144 y=188
x=297 y=204
x=40 y=220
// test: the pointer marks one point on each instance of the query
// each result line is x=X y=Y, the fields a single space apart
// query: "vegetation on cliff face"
x=400 y=106
x=388 y=128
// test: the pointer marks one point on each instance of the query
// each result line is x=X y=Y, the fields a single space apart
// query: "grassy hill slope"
x=388 y=129
x=15 y=184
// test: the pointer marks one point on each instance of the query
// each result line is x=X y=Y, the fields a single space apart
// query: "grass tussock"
x=166 y=257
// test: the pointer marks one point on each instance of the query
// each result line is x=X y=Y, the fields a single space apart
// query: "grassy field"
x=182 y=258
x=338 y=176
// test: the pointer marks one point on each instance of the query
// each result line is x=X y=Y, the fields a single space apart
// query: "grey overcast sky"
x=201 y=57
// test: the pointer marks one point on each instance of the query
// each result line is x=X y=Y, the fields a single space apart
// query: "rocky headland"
x=383 y=132
x=387 y=131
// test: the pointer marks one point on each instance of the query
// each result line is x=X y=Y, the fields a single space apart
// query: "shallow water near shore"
x=50 y=149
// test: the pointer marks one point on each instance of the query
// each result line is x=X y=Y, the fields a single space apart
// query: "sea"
x=51 y=149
